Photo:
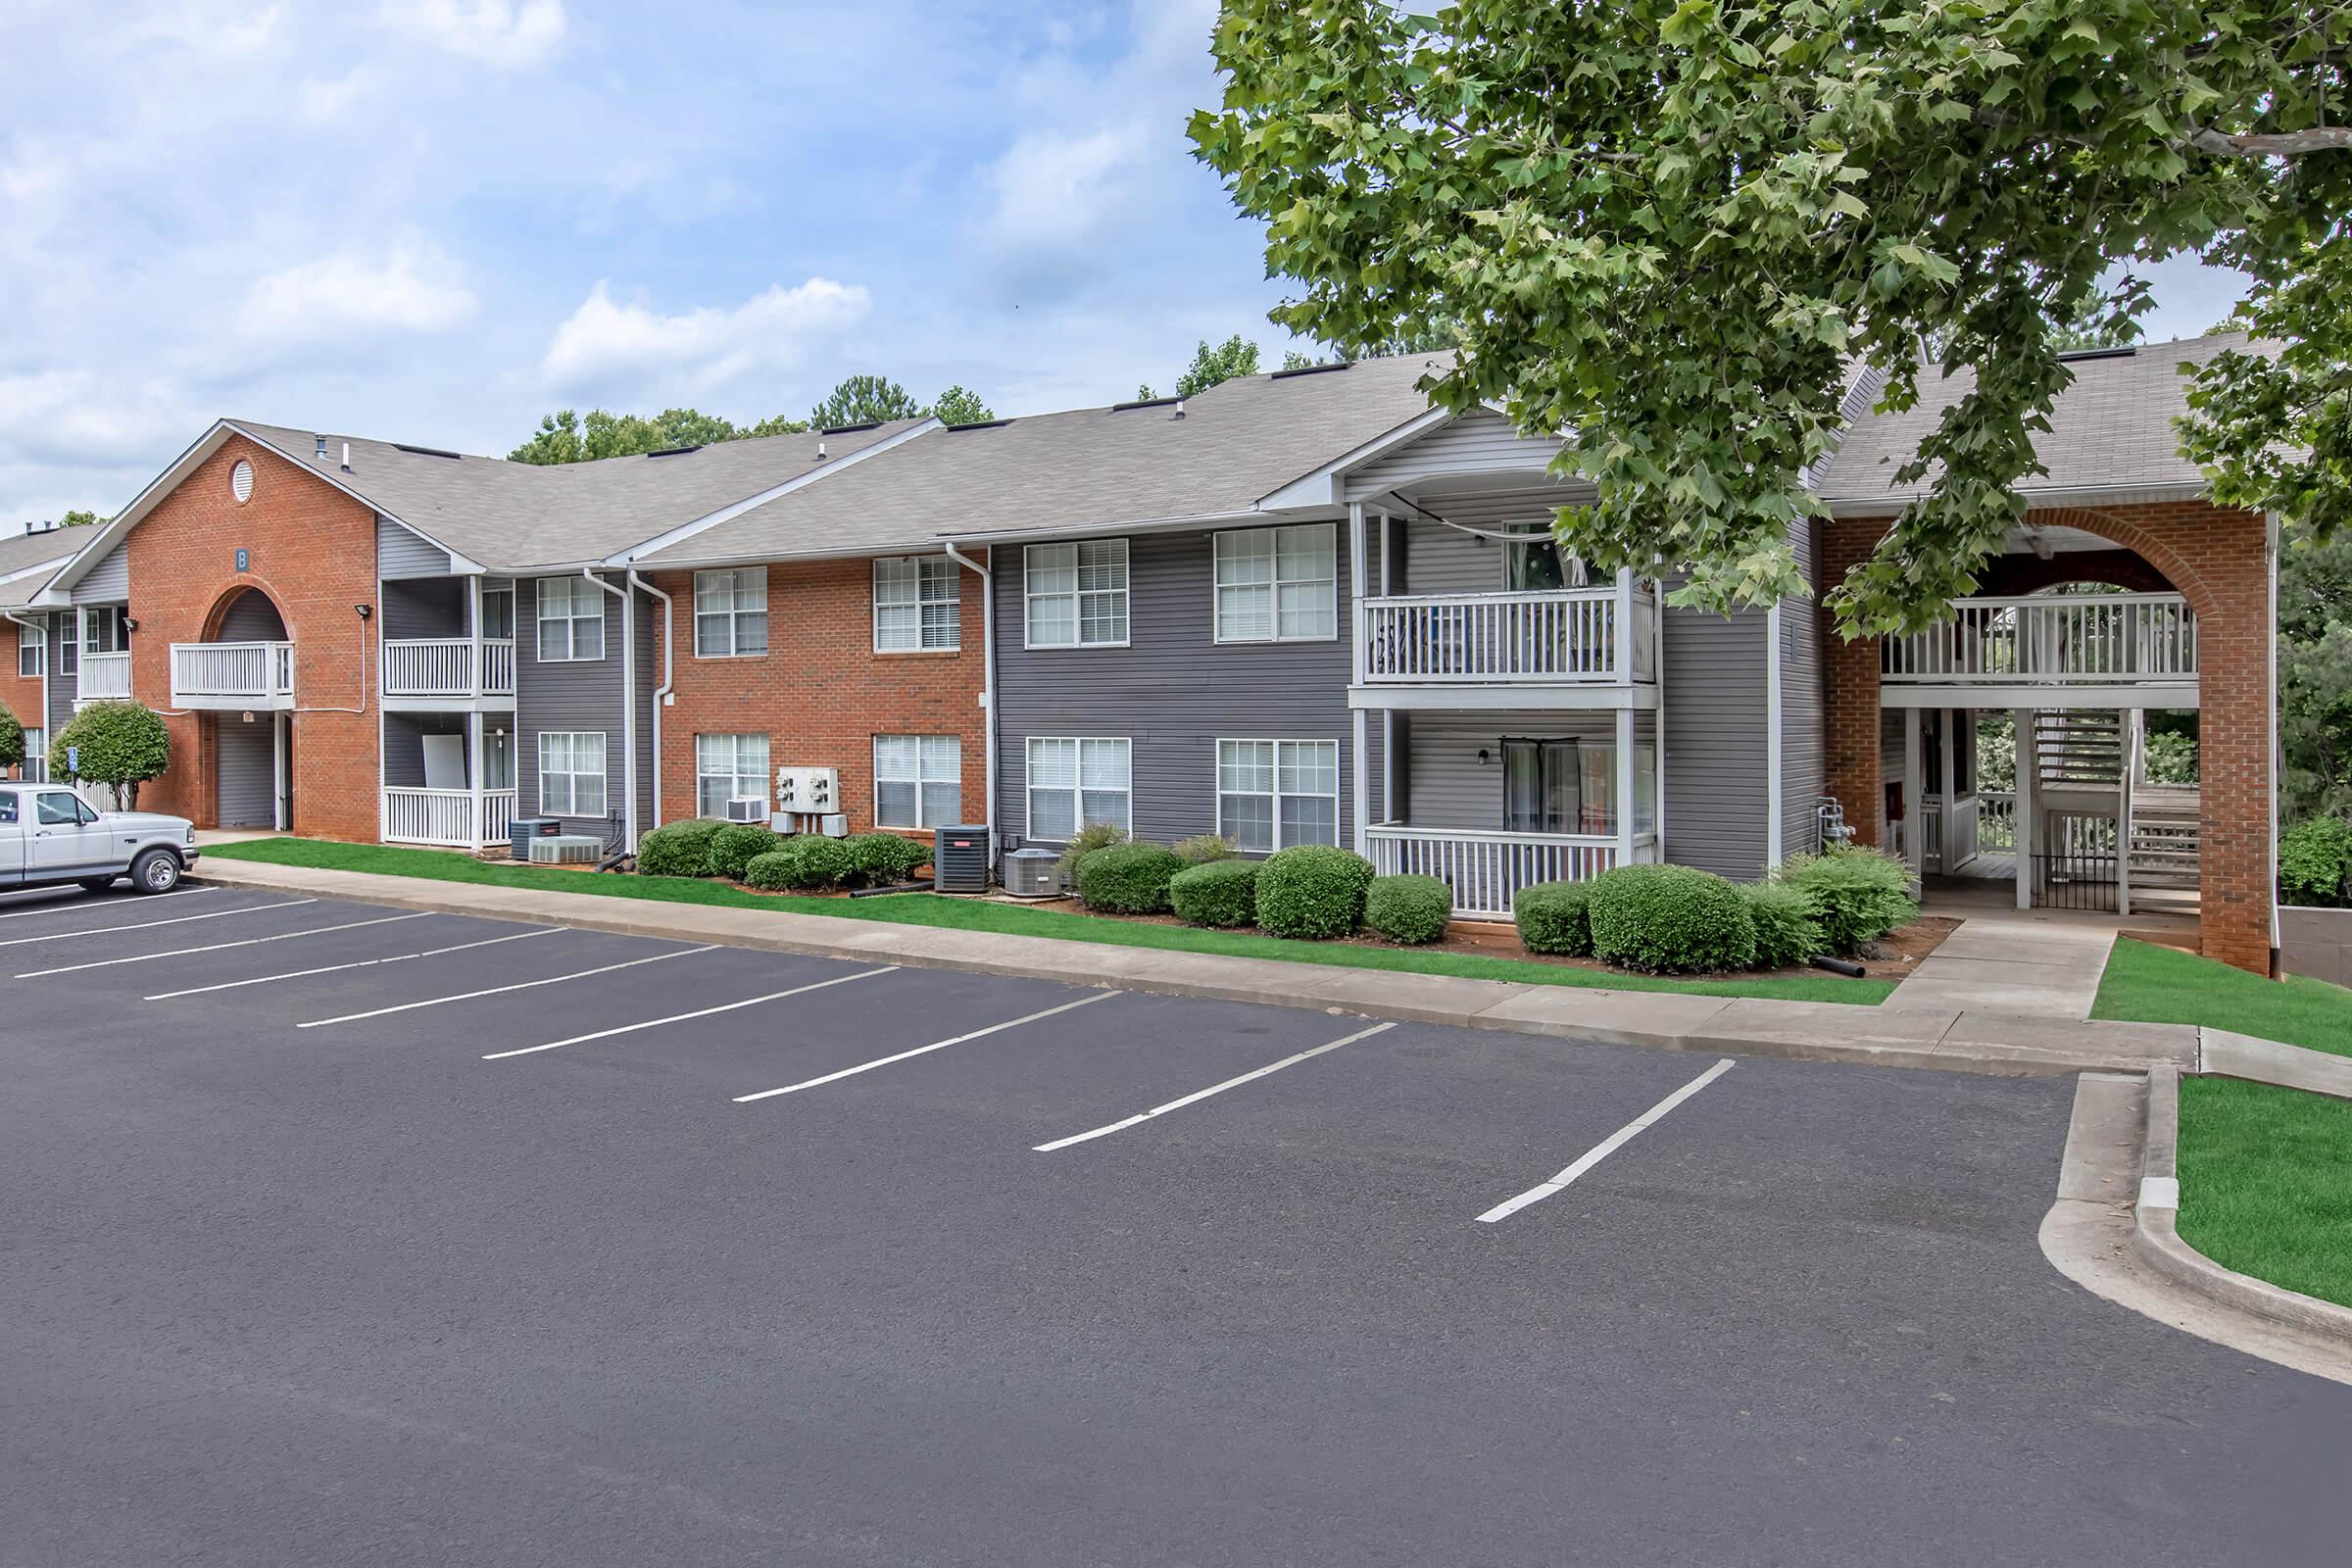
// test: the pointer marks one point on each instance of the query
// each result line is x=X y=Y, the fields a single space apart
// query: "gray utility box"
x=527 y=828
x=960 y=859
x=1033 y=874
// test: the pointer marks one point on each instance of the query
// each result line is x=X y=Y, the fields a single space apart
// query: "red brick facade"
x=311 y=550
x=2218 y=561
x=820 y=693
x=21 y=696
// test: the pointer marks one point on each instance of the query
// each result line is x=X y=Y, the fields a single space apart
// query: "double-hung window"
x=571 y=773
x=917 y=607
x=727 y=767
x=1076 y=781
x=31 y=650
x=1076 y=594
x=1274 y=794
x=68 y=645
x=36 y=756
x=730 y=613
x=1278 y=585
x=571 y=620
x=919 y=780
x=102 y=630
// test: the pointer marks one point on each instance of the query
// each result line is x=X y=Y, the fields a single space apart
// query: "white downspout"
x=663 y=692
x=628 y=712
x=987 y=680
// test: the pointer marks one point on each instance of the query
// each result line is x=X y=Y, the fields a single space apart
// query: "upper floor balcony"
x=1558 y=647
x=2049 y=651
x=232 y=675
x=102 y=677
x=449 y=673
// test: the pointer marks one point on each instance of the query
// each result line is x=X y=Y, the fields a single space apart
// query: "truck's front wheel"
x=155 y=871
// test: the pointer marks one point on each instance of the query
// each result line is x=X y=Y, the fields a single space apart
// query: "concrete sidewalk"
x=1952 y=1037
x=2016 y=967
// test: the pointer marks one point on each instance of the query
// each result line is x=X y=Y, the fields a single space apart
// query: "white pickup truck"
x=49 y=834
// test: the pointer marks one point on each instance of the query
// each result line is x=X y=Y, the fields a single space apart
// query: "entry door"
x=66 y=835
x=247 y=783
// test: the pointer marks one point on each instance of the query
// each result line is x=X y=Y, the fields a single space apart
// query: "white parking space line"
x=1198 y=1095
x=1606 y=1147
x=87 y=901
x=500 y=990
x=149 y=925
x=362 y=963
x=683 y=1018
x=921 y=1050
x=218 y=947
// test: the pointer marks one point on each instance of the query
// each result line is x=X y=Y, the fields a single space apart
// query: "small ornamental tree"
x=12 y=738
x=122 y=745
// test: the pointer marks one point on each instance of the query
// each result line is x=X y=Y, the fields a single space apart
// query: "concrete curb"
x=1948 y=1041
x=2156 y=1237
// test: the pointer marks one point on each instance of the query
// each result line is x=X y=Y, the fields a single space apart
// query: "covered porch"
x=449 y=779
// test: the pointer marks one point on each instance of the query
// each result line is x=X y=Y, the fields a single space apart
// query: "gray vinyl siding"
x=1442 y=560
x=1450 y=788
x=1174 y=691
x=60 y=685
x=404 y=745
x=424 y=607
x=1479 y=442
x=247 y=776
x=252 y=619
x=109 y=581
x=576 y=696
x=1803 y=753
x=1716 y=742
x=400 y=553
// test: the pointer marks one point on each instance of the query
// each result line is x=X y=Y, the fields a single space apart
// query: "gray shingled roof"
x=2111 y=429
x=1088 y=467
x=20 y=550
x=520 y=515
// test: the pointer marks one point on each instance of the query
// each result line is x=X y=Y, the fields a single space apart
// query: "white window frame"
x=1077 y=790
x=1273 y=585
x=571 y=790
x=1278 y=793
x=735 y=775
x=937 y=581
x=31 y=647
x=736 y=582
x=1078 y=596
x=922 y=780
x=571 y=620
x=65 y=629
x=36 y=767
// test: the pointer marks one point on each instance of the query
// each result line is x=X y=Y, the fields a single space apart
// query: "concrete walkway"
x=1956 y=1034
x=2016 y=967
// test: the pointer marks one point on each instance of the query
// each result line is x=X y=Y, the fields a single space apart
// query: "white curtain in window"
x=727 y=767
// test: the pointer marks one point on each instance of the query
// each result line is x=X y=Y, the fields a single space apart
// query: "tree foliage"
x=12 y=738
x=1669 y=226
x=1213 y=364
x=568 y=437
x=2314 y=674
x=118 y=743
x=961 y=405
x=862 y=400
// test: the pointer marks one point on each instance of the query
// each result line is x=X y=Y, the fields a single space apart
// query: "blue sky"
x=434 y=221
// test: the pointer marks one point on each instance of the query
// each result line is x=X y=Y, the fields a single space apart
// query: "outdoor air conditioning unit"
x=959 y=860
x=1033 y=874
x=746 y=808
x=835 y=826
x=526 y=828
x=566 y=849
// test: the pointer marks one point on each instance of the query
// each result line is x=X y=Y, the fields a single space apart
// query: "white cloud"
x=324 y=100
x=1059 y=200
x=497 y=32
x=82 y=419
x=606 y=343
x=412 y=289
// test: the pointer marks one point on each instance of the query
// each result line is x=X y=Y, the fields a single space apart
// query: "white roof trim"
x=2094 y=495
x=1322 y=487
x=636 y=554
x=22 y=572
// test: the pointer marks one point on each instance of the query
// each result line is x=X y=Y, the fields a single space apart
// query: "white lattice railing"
x=449 y=666
x=253 y=672
x=1486 y=870
x=1571 y=635
x=2097 y=639
x=1996 y=821
x=102 y=676
x=459 y=819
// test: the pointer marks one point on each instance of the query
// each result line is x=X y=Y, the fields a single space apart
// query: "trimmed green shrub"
x=1315 y=891
x=118 y=743
x=1857 y=895
x=732 y=847
x=12 y=737
x=1216 y=893
x=806 y=862
x=1408 y=908
x=1204 y=848
x=1090 y=837
x=1665 y=919
x=679 y=848
x=882 y=858
x=1552 y=918
x=1127 y=878
x=2315 y=862
x=1786 y=934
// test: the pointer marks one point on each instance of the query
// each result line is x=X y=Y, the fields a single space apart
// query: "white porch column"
x=1625 y=784
x=473 y=680
x=1387 y=717
x=1621 y=644
x=2022 y=813
x=1948 y=785
x=1914 y=785
x=1358 y=752
x=473 y=736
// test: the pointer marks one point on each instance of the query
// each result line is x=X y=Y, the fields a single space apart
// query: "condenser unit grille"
x=566 y=849
x=960 y=859
x=1033 y=874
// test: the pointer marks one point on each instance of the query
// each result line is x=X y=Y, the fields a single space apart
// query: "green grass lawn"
x=2149 y=984
x=2266 y=1183
x=968 y=914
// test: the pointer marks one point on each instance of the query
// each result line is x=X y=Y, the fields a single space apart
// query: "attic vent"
x=1143 y=403
x=240 y=481
x=1310 y=369
x=674 y=451
x=320 y=453
x=846 y=429
x=979 y=424
x=425 y=451
x=2123 y=353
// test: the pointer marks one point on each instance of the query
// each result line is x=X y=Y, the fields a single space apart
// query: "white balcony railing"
x=102 y=676
x=1486 y=870
x=212 y=673
x=450 y=667
x=1575 y=635
x=2091 y=640
x=459 y=819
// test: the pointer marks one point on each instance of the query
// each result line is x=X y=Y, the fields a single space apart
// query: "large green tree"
x=1667 y=228
x=569 y=436
x=2314 y=674
x=863 y=399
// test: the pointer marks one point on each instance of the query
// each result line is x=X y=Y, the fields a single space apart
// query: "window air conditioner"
x=746 y=808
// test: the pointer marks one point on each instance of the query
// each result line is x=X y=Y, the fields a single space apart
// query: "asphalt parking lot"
x=343 y=1234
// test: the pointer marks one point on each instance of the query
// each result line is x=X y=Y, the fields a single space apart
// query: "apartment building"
x=1299 y=608
x=28 y=639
